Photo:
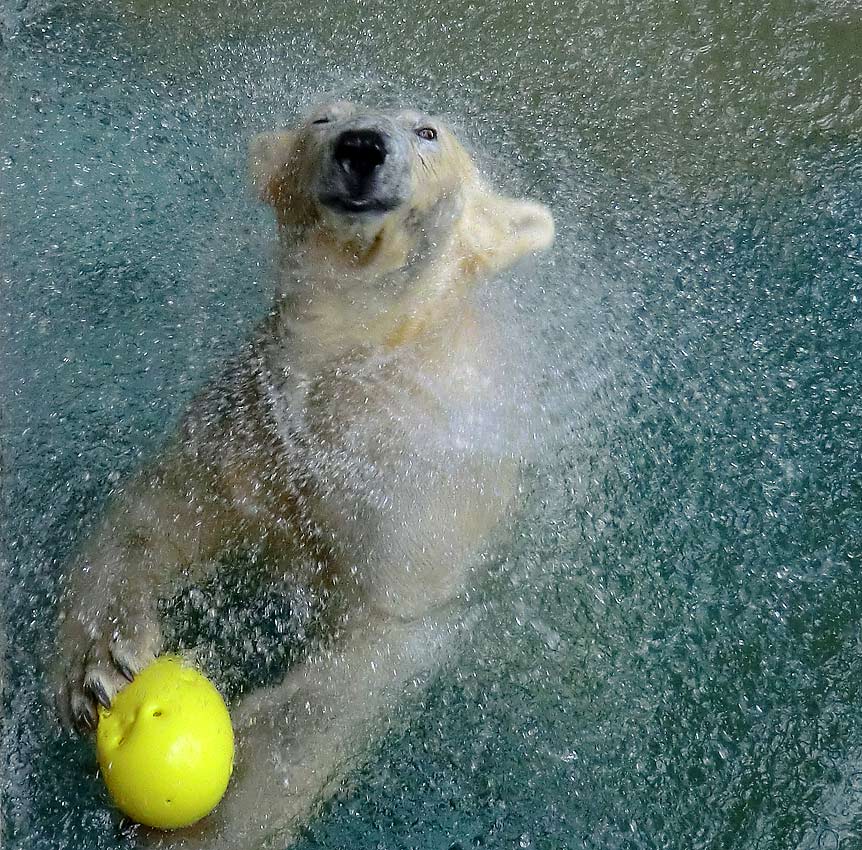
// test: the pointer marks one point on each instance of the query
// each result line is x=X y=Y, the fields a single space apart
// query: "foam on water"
x=670 y=652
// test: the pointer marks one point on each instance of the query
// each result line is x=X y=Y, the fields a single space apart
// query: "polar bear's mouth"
x=355 y=206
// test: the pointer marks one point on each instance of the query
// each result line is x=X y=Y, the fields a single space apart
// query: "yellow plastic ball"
x=165 y=746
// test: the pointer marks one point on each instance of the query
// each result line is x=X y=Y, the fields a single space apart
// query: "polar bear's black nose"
x=360 y=151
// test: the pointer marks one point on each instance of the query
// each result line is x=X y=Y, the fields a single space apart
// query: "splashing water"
x=669 y=654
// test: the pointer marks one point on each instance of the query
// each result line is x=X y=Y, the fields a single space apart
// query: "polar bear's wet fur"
x=367 y=438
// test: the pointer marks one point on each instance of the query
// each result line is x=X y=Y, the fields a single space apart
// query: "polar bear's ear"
x=498 y=231
x=268 y=154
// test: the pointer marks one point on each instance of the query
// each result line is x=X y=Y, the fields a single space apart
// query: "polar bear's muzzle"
x=366 y=171
x=360 y=153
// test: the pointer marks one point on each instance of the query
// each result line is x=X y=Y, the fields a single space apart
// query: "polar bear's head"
x=387 y=190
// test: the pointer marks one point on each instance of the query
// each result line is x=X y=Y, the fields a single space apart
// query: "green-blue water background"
x=671 y=655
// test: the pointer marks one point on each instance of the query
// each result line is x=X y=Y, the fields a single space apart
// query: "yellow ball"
x=165 y=746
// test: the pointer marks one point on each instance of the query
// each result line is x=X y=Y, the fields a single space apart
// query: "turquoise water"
x=670 y=654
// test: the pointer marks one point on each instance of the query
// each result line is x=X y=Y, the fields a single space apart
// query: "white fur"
x=368 y=437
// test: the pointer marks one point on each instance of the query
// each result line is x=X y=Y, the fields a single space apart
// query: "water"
x=670 y=652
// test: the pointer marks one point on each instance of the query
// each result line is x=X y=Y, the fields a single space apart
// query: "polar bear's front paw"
x=98 y=656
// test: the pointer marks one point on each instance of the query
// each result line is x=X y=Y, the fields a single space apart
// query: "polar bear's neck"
x=327 y=315
x=390 y=288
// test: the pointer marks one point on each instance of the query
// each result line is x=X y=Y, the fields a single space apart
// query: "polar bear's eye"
x=427 y=133
x=323 y=120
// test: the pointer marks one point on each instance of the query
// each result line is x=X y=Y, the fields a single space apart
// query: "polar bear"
x=366 y=437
